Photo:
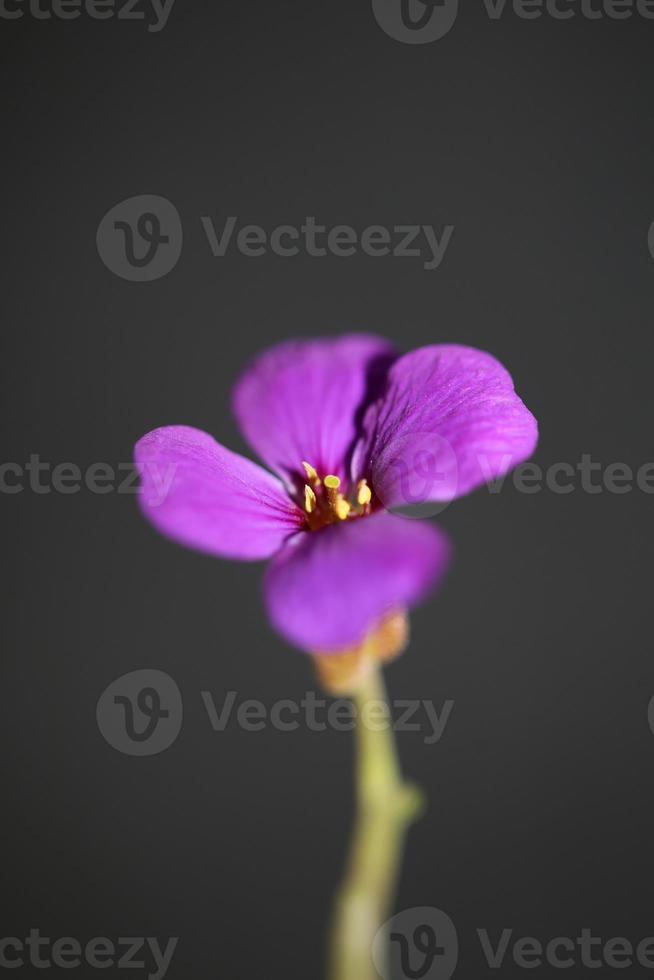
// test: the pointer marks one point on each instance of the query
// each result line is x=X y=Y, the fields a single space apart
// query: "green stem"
x=386 y=806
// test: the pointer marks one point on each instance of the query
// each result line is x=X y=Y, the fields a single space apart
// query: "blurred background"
x=533 y=139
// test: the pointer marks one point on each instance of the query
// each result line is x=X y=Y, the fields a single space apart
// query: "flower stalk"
x=386 y=806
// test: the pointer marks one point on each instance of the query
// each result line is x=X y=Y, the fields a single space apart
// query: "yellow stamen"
x=332 y=483
x=309 y=500
x=364 y=493
x=342 y=509
x=312 y=474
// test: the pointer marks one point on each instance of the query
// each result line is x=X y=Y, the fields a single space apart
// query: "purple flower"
x=345 y=424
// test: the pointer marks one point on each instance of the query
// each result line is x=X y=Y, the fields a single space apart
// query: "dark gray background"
x=535 y=140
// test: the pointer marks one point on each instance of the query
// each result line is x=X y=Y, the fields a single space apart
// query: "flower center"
x=325 y=503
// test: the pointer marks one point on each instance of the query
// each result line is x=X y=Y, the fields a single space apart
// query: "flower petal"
x=327 y=589
x=449 y=421
x=302 y=400
x=204 y=496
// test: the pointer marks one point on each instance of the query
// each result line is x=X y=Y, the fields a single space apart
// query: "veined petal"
x=448 y=421
x=204 y=496
x=326 y=590
x=302 y=400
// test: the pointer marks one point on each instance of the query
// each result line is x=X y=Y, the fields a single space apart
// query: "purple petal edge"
x=449 y=421
x=303 y=400
x=203 y=496
x=326 y=590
